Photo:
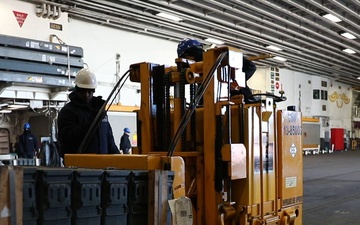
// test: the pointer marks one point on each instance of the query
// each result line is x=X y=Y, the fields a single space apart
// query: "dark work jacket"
x=125 y=144
x=249 y=68
x=74 y=121
x=27 y=145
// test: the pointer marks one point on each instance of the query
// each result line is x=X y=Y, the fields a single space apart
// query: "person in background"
x=76 y=117
x=28 y=144
x=125 y=144
x=193 y=49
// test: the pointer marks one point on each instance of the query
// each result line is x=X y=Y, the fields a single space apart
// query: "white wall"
x=340 y=106
x=298 y=88
x=33 y=26
x=101 y=44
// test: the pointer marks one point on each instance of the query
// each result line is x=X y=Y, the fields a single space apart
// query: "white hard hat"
x=85 y=79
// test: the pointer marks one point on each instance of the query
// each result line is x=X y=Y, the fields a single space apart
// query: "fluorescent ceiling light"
x=15 y=106
x=358 y=78
x=5 y=111
x=332 y=18
x=215 y=41
x=168 y=16
x=279 y=58
x=350 y=51
x=272 y=47
x=347 y=35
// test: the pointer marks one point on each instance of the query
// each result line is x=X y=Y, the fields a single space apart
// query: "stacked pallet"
x=38 y=63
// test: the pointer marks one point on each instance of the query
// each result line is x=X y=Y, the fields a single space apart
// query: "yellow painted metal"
x=235 y=154
x=258 y=190
x=122 y=108
x=290 y=163
x=314 y=146
x=177 y=165
x=175 y=75
x=310 y=119
x=212 y=198
x=257 y=166
x=259 y=57
x=141 y=72
x=132 y=162
x=291 y=215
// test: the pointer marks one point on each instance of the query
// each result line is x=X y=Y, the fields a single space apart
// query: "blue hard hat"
x=126 y=130
x=26 y=126
x=186 y=44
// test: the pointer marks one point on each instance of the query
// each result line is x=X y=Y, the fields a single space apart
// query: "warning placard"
x=20 y=17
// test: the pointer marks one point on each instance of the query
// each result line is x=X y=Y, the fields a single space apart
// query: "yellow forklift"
x=237 y=163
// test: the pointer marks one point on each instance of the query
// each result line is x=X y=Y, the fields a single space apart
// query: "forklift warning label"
x=292 y=130
x=290 y=182
x=293 y=150
x=292 y=201
x=291 y=124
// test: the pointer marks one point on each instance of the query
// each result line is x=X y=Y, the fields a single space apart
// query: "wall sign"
x=339 y=98
x=20 y=17
x=56 y=26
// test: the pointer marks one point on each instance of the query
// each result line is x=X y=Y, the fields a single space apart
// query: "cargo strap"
x=12 y=190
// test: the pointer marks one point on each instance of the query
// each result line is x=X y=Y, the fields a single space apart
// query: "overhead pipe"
x=297 y=5
x=162 y=31
x=319 y=71
x=324 y=71
x=345 y=8
x=315 y=46
x=203 y=34
x=57 y=12
x=349 y=65
x=344 y=19
x=357 y=2
x=142 y=3
x=310 y=22
x=299 y=34
x=48 y=13
x=41 y=11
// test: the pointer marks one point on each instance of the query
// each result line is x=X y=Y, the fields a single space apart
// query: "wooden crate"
x=11 y=195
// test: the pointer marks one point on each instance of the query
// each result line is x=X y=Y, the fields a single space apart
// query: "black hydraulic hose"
x=275 y=97
x=98 y=118
x=199 y=93
x=117 y=92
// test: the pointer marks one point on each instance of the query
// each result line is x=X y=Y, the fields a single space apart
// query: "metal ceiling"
x=310 y=43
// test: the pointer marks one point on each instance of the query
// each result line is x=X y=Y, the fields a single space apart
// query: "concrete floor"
x=332 y=189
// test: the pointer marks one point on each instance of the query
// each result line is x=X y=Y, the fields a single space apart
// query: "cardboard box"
x=11 y=195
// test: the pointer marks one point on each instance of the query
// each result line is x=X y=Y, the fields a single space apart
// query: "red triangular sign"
x=20 y=17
